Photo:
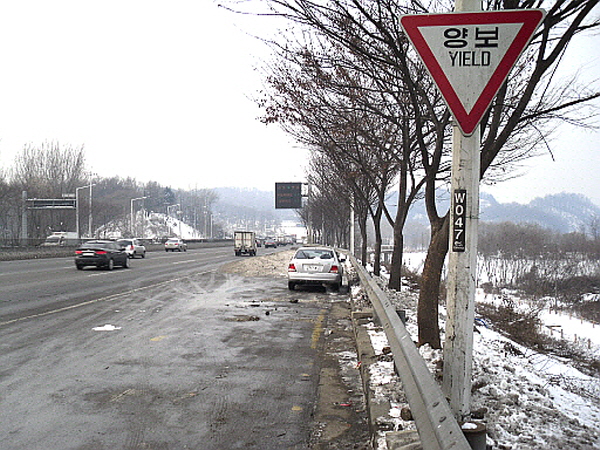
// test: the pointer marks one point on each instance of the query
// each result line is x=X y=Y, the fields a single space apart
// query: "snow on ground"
x=526 y=399
x=559 y=324
x=572 y=329
x=530 y=400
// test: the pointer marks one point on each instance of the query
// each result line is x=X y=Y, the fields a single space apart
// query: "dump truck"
x=244 y=243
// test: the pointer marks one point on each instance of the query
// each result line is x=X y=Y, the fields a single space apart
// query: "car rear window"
x=96 y=244
x=314 y=254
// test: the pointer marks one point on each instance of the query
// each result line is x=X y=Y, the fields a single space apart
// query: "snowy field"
x=527 y=400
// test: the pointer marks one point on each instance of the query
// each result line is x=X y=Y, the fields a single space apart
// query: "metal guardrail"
x=436 y=424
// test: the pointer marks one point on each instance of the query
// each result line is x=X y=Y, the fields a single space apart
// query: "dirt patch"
x=271 y=265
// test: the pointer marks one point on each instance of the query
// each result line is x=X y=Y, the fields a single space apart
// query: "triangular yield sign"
x=470 y=54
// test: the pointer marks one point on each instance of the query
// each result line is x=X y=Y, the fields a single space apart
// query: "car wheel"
x=144 y=255
x=79 y=266
x=166 y=249
x=291 y=285
x=110 y=265
x=185 y=249
x=335 y=286
x=126 y=263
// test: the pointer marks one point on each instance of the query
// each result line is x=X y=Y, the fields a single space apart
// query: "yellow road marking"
x=318 y=329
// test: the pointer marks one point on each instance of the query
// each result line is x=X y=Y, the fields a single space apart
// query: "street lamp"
x=77 y=209
x=131 y=224
x=176 y=205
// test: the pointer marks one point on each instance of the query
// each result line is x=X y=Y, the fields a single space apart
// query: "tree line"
x=53 y=171
x=346 y=84
x=540 y=262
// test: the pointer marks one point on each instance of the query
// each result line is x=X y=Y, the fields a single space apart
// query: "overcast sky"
x=164 y=91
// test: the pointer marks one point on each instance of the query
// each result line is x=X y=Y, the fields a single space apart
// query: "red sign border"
x=530 y=18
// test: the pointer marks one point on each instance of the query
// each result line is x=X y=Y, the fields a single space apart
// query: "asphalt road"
x=169 y=354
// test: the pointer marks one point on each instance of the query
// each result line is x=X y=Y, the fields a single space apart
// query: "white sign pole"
x=462 y=261
x=352 y=220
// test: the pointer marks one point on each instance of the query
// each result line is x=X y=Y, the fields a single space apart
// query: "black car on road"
x=107 y=254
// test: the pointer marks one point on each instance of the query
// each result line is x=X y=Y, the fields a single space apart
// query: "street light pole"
x=131 y=228
x=169 y=213
x=90 y=214
x=77 y=222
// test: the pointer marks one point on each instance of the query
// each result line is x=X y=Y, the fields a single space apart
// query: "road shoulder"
x=340 y=413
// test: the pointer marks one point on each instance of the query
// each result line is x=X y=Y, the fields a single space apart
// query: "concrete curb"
x=340 y=413
x=378 y=409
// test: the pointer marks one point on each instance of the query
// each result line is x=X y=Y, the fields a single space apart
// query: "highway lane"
x=29 y=287
x=169 y=354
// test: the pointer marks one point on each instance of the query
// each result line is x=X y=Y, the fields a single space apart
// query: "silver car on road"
x=315 y=266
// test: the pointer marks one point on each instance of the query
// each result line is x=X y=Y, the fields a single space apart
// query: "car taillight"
x=78 y=252
x=100 y=252
x=334 y=269
x=291 y=268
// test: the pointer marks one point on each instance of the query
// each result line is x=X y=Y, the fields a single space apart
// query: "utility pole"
x=462 y=261
x=462 y=270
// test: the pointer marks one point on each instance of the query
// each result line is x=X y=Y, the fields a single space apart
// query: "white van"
x=61 y=238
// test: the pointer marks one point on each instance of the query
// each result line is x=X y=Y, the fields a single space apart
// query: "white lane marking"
x=96 y=300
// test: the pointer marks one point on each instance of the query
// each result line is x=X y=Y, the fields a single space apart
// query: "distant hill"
x=249 y=205
x=559 y=212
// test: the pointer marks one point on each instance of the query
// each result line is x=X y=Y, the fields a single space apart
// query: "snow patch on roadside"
x=528 y=400
x=106 y=327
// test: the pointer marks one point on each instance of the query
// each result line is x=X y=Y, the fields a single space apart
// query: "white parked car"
x=315 y=266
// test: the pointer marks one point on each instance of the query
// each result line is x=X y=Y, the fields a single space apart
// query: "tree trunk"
x=427 y=311
x=396 y=269
x=378 y=239
x=362 y=225
x=401 y=212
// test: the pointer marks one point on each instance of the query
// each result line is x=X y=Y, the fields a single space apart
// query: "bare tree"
x=331 y=103
x=514 y=128
x=49 y=171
